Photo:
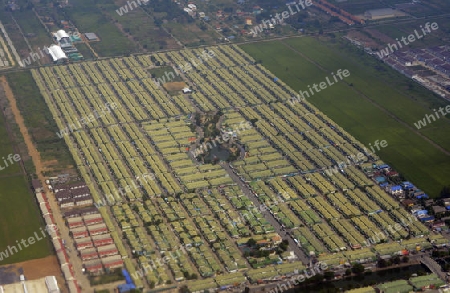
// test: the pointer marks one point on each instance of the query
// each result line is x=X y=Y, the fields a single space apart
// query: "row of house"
x=73 y=195
x=61 y=253
x=93 y=242
x=92 y=239
x=437 y=58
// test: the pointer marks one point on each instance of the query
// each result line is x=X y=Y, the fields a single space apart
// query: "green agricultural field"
x=20 y=220
x=165 y=74
x=85 y=51
x=18 y=210
x=20 y=217
x=6 y=149
x=88 y=16
x=374 y=102
x=29 y=23
x=39 y=122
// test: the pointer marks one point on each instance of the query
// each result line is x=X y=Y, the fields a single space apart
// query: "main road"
x=267 y=215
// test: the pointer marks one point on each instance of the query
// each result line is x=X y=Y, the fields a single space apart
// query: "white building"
x=57 y=54
x=186 y=90
x=42 y=285
x=63 y=38
x=61 y=34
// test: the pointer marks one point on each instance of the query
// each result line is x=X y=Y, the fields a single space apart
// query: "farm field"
x=140 y=25
x=40 y=123
x=368 y=110
x=20 y=219
x=20 y=216
x=6 y=149
x=139 y=131
x=88 y=17
x=29 y=23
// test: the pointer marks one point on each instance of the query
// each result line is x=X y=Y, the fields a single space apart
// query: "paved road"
x=434 y=267
x=292 y=245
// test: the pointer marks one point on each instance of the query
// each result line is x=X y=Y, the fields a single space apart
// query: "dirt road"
x=32 y=151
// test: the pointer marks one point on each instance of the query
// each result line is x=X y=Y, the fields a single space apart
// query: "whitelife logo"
x=293 y=281
x=86 y=119
x=110 y=198
x=280 y=17
x=244 y=125
x=124 y=9
x=12 y=249
x=382 y=235
x=423 y=122
x=355 y=159
x=186 y=68
x=323 y=85
x=168 y=256
x=10 y=158
x=411 y=38
x=33 y=57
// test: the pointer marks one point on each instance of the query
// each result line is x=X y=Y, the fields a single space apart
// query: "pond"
x=218 y=152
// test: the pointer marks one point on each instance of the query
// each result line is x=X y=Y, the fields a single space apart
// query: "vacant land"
x=375 y=102
x=33 y=269
x=40 y=123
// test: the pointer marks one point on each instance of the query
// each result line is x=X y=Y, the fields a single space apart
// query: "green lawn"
x=370 y=104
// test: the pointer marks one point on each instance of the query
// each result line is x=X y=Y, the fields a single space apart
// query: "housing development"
x=306 y=157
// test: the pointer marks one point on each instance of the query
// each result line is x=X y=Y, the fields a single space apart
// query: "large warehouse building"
x=43 y=285
x=57 y=54
x=381 y=13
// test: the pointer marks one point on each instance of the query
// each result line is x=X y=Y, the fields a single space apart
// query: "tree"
x=445 y=192
x=251 y=242
x=358 y=268
x=382 y=263
x=348 y=272
x=283 y=246
x=183 y=289
x=329 y=275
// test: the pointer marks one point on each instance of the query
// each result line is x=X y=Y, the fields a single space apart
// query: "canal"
x=367 y=279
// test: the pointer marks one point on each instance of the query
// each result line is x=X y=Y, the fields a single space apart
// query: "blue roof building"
x=407 y=185
x=125 y=288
